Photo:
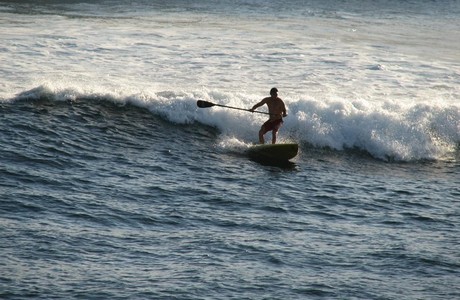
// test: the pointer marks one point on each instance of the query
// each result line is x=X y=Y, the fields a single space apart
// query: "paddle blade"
x=204 y=104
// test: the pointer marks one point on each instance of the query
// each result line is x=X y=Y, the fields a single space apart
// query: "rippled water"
x=116 y=202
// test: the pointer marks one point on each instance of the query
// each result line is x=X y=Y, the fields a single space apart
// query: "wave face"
x=388 y=131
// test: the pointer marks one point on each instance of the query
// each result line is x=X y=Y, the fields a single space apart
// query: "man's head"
x=274 y=92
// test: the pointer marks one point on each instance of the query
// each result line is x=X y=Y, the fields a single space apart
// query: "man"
x=277 y=111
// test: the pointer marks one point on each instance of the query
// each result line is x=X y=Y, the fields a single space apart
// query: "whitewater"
x=114 y=184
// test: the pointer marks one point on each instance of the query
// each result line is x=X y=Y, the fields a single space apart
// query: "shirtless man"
x=277 y=111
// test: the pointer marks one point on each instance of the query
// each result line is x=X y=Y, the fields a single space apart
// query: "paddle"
x=206 y=104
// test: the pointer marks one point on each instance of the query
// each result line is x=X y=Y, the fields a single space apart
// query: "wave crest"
x=386 y=130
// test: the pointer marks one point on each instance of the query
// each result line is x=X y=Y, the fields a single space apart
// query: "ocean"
x=114 y=184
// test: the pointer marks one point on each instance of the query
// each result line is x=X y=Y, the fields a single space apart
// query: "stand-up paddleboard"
x=273 y=152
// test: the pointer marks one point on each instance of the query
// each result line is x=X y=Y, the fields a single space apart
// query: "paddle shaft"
x=204 y=104
x=238 y=108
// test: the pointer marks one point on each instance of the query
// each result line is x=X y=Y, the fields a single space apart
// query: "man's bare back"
x=276 y=107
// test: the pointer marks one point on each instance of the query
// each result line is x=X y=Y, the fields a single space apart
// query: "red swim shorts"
x=272 y=125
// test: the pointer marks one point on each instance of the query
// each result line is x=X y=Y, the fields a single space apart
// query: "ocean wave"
x=386 y=130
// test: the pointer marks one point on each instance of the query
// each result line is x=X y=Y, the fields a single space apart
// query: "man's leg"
x=274 y=134
x=261 y=136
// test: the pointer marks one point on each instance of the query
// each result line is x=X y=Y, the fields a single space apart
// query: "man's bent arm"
x=258 y=105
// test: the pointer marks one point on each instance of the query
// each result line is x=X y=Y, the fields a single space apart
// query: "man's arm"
x=259 y=104
x=284 y=110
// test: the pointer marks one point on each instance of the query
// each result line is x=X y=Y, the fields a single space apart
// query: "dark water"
x=101 y=200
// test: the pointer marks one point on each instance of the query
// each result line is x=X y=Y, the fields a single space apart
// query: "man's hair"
x=273 y=90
